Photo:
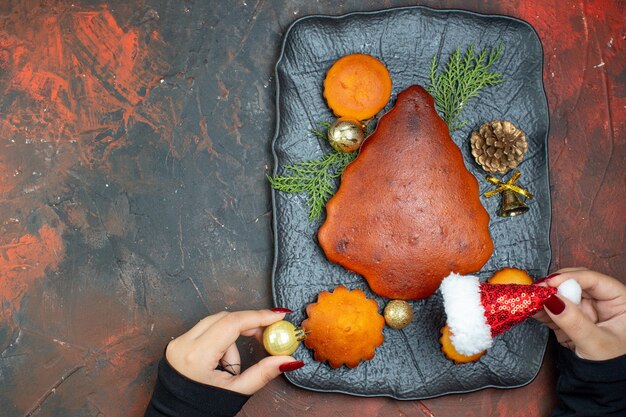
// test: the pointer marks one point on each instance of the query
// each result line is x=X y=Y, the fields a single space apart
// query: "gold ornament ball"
x=398 y=314
x=282 y=338
x=346 y=134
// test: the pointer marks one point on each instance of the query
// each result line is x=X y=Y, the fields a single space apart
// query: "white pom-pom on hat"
x=571 y=290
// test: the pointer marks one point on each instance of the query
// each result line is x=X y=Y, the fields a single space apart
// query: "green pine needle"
x=463 y=78
x=316 y=178
x=320 y=133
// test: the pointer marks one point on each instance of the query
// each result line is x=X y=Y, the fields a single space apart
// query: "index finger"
x=599 y=286
x=227 y=329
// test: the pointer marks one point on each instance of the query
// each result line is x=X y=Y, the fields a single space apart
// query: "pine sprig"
x=316 y=178
x=463 y=78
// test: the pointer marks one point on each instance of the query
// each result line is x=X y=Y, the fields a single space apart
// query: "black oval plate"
x=409 y=364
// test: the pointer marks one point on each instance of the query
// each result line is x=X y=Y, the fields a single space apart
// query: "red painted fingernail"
x=290 y=366
x=539 y=281
x=281 y=310
x=554 y=304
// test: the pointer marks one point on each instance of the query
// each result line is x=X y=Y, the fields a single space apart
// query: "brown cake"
x=407 y=212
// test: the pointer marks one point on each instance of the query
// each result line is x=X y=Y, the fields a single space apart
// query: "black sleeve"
x=178 y=396
x=590 y=388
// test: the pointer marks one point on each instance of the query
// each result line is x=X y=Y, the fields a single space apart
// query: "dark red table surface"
x=135 y=139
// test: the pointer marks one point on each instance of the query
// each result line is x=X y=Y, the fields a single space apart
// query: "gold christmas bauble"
x=346 y=134
x=282 y=338
x=398 y=314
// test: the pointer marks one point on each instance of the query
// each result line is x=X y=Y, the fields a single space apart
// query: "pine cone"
x=498 y=146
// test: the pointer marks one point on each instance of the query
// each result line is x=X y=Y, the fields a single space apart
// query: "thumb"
x=255 y=377
x=584 y=333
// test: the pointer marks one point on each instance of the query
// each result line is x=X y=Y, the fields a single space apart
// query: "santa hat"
x=478 y=311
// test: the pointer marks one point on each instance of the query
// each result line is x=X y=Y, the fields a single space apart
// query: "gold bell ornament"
x=282 y=338
x=512 y=204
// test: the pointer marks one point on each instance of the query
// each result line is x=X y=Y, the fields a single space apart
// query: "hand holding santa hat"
x=479 y=311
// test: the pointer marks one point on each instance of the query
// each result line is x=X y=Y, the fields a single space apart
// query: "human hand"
x=595 y=330
x=197 y=353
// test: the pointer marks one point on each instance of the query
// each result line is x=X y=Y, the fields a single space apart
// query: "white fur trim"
x=466 y=316
x=571 y=290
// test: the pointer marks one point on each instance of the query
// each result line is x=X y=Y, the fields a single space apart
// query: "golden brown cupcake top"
x=345 y=327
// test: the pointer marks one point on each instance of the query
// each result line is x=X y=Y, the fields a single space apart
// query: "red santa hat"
x=478 y=311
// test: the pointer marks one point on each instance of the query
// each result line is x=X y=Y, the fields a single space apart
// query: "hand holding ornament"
x=208 y=354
